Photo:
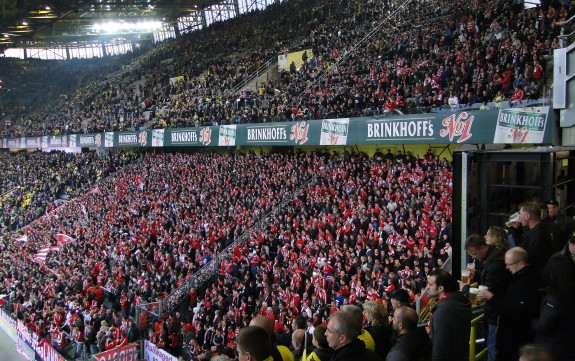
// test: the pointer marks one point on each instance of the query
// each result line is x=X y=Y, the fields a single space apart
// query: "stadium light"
x=121 y=27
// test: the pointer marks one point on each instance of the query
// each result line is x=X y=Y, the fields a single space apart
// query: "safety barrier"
x=474 y=341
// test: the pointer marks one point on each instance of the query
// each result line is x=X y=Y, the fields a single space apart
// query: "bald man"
x=518 y=306
x=411 y=343
x=297 y=341
x=279 y=352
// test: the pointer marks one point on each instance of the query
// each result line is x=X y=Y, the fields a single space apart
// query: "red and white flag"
x=23 y=238
x=42 y=253
x=95 y=191
x=63 y=239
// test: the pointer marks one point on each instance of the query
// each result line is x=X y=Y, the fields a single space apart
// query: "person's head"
x=298 y=323
x=297 y=338
x=253 y=344
x=553 y=208
x=529 y=214
x=263 y=322
x=319 y=338
x=515 y=259
x=476 y=247
x=399 y=297
x=376 y=313
x=441 y=282
x=342 y=328
x=404 y=319
x=534 y=353
x=497 y=237
x=355 y=312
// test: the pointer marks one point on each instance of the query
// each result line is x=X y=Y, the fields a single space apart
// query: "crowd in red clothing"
x=360 y=227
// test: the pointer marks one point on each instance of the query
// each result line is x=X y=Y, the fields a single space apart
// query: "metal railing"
x=474 y=341
x=259 y=71
x=209 y=270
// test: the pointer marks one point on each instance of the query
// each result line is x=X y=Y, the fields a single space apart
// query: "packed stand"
x=372 y=224
x=33 y=184
x=455 y=57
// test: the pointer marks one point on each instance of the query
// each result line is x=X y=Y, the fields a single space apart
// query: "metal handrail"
x=253 y=75
x=473 y=340
x=210 y=269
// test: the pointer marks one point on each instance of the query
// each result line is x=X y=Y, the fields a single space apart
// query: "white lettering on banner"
x=48 y=353
x=523 y=120
x=402 y=129
x=271 y=133
x=125 y=353
x=184 y=137
x=332 y=127
x=127 y=138
x=87 y=140
x=153 y=353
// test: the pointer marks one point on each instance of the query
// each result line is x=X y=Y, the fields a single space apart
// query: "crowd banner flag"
x=23 y=238
x=63 y=239
x=153 y=353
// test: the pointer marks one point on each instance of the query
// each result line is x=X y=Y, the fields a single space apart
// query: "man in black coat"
x=450 y=321
x=412 y=343
x=519 y=304
x=342 y=331
x=536 y=240
x=493 y=275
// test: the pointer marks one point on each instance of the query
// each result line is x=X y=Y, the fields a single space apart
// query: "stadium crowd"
x=359 y=228
x=353 y=229
x=453 y=57
x=33 y=184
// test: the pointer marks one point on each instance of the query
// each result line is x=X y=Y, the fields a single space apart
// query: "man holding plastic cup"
x=491 y=274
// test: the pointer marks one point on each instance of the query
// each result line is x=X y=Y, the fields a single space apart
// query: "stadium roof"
x=45 y=23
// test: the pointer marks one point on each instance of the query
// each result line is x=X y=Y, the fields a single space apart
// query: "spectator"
x=412 y=343
x=378 y=326
x=342 y=335
x=534 y=353
x=490 y=272
x=253 y=344
x=322 y=351
x=517 y=307
x=450 y=320
x=553 y=329
x=535 y=240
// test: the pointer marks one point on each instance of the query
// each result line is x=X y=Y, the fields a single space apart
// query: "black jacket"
x=554 y=329
x=518 y=306
x=321 y=354
x=450 y=327
x=382 y=336
x=536 y=241
x=355 y=351
x=411 y=346
x=495 y=277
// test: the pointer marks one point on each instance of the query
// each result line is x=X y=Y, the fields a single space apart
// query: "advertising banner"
x=153 y=353
x=158 y=138
x=131 y=139
x=124 y=353
x=513 y=125
x=521 y=125
x=334 y=132
x=58 y=141
x=90 y=140
x=227 y=136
